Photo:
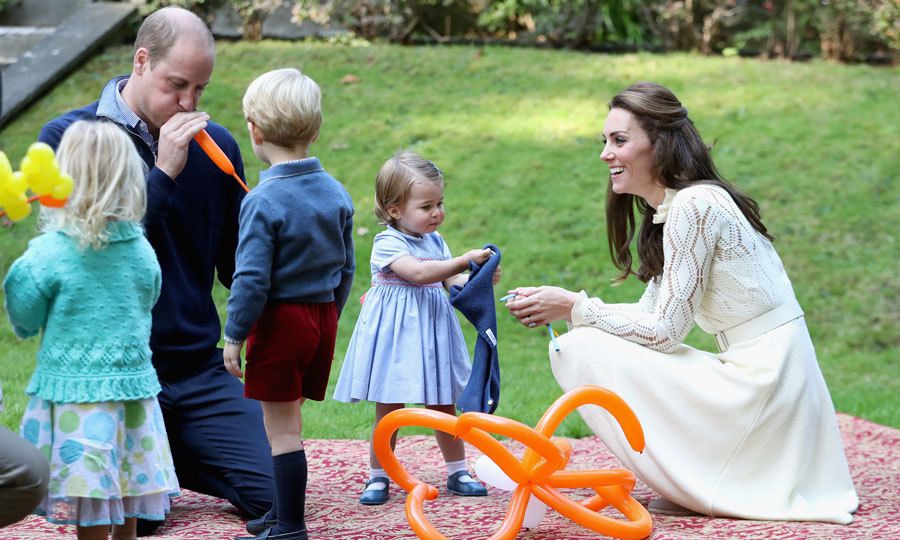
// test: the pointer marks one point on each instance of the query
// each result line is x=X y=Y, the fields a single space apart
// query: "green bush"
x=252 y=12
x=6 y=4
x=396 y=20
x=845 y=30
x=577 y=23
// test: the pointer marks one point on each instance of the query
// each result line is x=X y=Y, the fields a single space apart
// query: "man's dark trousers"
x=217 y=437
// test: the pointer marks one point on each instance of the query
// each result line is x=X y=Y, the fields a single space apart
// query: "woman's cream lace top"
x=718 y=271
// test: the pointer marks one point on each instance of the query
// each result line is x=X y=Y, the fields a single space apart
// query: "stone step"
x=67 y=47
x=40 y=12
x=16 y=40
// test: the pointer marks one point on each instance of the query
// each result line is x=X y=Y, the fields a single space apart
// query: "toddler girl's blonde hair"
x=109 y=180
x=396 y=177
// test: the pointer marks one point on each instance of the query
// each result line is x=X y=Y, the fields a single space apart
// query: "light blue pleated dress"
x=407 y=346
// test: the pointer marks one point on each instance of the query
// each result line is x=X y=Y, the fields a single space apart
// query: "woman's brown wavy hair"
x=679 y=159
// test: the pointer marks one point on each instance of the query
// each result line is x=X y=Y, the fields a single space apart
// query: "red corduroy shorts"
x=289 y=352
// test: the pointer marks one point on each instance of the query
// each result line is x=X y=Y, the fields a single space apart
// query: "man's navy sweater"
x=192 y=224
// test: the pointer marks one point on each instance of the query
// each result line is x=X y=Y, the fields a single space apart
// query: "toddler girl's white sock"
x=376 y=473
x=456 y=466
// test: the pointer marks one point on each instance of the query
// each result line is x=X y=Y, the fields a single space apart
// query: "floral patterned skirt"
x=108 y=461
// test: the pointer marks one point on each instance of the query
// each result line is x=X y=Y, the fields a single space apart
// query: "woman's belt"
x=759 y=325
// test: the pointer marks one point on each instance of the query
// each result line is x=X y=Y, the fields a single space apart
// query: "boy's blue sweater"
x=192 y=223
x=296 y=243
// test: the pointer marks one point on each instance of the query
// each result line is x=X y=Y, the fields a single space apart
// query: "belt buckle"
x=722 y=341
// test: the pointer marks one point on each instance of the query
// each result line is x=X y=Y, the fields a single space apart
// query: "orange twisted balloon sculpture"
x=539 y=472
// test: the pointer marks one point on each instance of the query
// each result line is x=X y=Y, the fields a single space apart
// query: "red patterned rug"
x=338 y=468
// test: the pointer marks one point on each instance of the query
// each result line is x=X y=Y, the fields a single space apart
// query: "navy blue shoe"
x=375 y=496
x=260 y=524
x=146 y=527
x=267 y=535
x=471 y=488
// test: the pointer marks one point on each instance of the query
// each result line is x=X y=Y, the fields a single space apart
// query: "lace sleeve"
x=665 y=313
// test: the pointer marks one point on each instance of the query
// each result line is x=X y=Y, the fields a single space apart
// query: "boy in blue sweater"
x=294 y=268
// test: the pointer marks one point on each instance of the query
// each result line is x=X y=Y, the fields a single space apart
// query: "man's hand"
x=175 y=137
x=232 y=358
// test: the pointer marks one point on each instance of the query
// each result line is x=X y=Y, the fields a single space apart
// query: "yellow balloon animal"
x=40 y=172
x=540 y=472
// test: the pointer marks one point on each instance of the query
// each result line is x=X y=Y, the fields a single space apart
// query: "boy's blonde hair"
x=396 y=177
x=110 y=182
x=286 y=106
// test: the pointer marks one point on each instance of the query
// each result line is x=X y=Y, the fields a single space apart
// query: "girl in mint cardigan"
x=87 y=285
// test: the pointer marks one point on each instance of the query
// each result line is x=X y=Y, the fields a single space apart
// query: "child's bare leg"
x=128 y=531
x=376 y=491
x=284 y=425
x=452 y=448
x=459 y=481
x=97 y=532
x=381 y=410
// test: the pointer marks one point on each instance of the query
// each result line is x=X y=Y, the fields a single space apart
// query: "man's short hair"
x=161 y=29
x=286 y=107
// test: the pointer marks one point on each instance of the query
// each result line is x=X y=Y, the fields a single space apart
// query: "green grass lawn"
x=517 y=132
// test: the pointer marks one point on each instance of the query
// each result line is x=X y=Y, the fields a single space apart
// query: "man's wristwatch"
x=232 y=340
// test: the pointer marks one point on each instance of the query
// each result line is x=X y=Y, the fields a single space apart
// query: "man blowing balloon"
x=192 y=223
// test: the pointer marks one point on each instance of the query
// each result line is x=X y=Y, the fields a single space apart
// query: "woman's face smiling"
x=627 y=152
x=423 y=211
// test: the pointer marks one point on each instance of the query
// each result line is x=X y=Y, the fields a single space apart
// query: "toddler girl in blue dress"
x=87 y=285
x=407 y=346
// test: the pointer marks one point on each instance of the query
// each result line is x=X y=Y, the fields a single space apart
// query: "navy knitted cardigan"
x=476 y=302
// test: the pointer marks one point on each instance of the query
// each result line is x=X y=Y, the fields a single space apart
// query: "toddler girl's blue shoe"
x=376 y=494
x=267 y=535
x=461 y=483
x=260 y=524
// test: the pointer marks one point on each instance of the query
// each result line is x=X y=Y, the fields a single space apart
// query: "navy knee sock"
x=290 y=491
x=273 y=512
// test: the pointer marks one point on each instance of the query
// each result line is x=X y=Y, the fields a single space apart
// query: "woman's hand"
x=232 y=358
x=535 y=306
x=498 y=273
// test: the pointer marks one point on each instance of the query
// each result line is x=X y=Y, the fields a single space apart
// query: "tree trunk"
x=835 y=41
x=689 y=20
x=252 y=27
x=791 y=38
x=586 y=31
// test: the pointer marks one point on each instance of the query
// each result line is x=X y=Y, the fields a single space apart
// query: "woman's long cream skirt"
x=748 y=433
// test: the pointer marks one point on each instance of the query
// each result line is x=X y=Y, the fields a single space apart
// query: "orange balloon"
x=218 y=156
x=48 y=200
x=540 y=471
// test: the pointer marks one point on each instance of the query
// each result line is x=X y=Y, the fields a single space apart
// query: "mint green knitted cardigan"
x=92 y=308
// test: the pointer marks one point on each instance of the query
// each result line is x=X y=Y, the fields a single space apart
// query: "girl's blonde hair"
x=110 y=182
x=396 y=177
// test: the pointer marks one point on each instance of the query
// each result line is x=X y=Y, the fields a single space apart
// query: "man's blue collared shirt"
x=113 y=106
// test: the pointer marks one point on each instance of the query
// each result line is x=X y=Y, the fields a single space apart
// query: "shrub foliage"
x=844 y=30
